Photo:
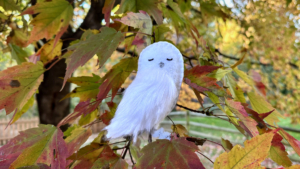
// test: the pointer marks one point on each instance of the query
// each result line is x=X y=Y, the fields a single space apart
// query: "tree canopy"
x=241 y=54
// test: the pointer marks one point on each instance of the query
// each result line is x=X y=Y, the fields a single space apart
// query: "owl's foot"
x=150 y=138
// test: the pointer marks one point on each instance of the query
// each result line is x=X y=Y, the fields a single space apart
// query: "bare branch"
x=252 y=62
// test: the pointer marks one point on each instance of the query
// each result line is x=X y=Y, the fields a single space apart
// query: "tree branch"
x=208 y=113
x=131 y=53
x=93 y=18
x=252 y=62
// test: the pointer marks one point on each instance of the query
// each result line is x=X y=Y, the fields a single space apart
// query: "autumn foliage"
x=129 y=30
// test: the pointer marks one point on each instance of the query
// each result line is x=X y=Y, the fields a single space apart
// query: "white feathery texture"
x=152 y=94
x=161 y=134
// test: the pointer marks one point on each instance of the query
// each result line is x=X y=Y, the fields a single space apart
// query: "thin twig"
x=53 y=64
x=118 y=142
x=252 y=62
x=217 y=144
x=131 y=53
x=175 y=129
x=205 y=157
x=189 y=58
x=119 y=148
x=171 y=120
x=138 y=32
x=133 y=163
x=197 y=111
x=126 y=148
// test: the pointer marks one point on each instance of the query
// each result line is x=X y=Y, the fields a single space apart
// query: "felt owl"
x=152 y=94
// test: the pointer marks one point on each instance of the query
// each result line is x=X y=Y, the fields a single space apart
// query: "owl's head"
x=162 y=56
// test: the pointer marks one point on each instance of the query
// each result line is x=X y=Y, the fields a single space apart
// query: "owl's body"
x=152 y=94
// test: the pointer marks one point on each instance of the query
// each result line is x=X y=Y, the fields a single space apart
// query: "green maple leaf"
x=236 y=92
x=88 y=87
x=260 y=105
x=9 y=5
x=117 y=75
x=103 y=44
x=111 y=81
x=18 y=84
x=18 y=53
x=150 y=6
x=53 y=18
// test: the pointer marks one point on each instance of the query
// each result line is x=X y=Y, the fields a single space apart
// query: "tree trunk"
x=51 y=109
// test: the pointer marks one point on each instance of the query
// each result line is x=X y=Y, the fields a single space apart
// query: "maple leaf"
x=167 y=154
x=49 y=51
x=17 y=37
x=109 y=159
x=180 y=130
x=108 y=115
x=294 y=167
x=138 y=20
x=292 y=141
x=219 y=73
x=75 y=138
x=9 y=5
x=277 y=152
x=36 y=145
x=244 y=76
x=18 y=53
x=247 y=123
x=87 y=155
x=212 y=9
x=88 y=87
x=227 y=144
x=117 y=75
x=235 y=90
x=24 y=109
x=108 y=5
x=255 y=151
x=111 y=81
x=258 y=84
x=260 y=105
x=53 y=18
x=259 y=118
x=172 y=11
x=197 y=79
x=150 y=6
x=160 y=32
x=18 y=84
x=103 y=44
x=142 y=21
x=82 y=108
x=89 y=118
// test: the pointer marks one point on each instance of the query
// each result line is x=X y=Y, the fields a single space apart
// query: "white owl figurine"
x=152 y=94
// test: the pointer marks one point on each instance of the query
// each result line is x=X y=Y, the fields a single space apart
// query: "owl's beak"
x=161 y=64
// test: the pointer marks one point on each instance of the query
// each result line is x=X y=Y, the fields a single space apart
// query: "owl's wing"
x=145 y=104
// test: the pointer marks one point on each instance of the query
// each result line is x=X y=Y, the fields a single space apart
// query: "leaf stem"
x=53 y=64
x=205 y=156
